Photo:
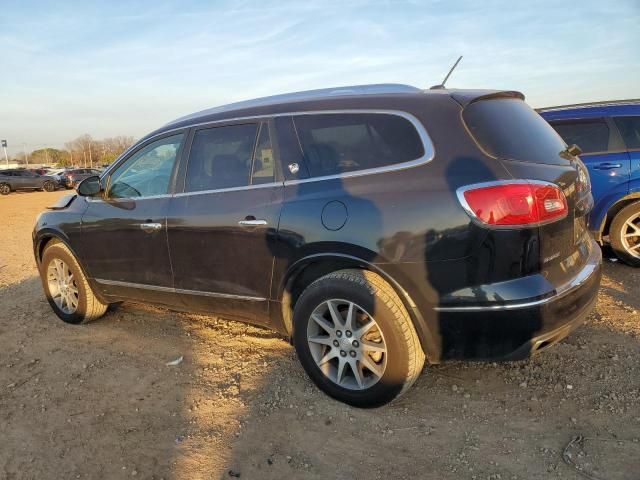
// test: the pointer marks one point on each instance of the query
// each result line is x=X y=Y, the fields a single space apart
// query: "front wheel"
x=624 y=234
x=66 y=287
x=49 y=187
x=355 y=338
x=5 y=189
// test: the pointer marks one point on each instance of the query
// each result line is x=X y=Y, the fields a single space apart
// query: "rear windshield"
x=508 y=128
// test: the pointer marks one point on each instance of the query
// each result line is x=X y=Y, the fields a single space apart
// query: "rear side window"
x=508 y=128
x=221 y=157
x=346 y=142
x=592 y=136
x=630 y=130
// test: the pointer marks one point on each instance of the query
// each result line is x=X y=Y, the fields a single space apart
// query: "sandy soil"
x=98 y=401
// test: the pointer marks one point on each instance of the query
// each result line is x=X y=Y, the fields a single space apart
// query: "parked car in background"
x=608 y=133
x=75 y=176
x=374 y=225
x=23 y=179
x=58 y=174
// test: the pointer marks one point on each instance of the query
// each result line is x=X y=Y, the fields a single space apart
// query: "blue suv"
x=608 y=133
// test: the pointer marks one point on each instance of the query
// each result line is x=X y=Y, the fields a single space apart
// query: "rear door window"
x=630 y=130
x=347 y=142
x=508 y=128
x=221 y=157
x=590 y=136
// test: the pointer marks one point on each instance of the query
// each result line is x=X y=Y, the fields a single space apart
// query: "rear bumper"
x=519 y=328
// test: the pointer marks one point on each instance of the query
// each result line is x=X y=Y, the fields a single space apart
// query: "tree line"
x=83 y=151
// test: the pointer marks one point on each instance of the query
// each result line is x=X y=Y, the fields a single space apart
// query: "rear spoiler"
x=467 y=97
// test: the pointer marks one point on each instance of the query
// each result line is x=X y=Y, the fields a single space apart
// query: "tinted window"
x=221 y=157
x=630 y=130
x=509 y=128
x=338 y=143
x=263 y=163
x=148 y=171
x=589 y=136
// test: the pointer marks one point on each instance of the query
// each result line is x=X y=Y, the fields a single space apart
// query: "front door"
x=222 y=227
x=124 y=232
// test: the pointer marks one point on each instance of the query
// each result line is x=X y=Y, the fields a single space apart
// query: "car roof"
x=593 y=109
x=357 y=96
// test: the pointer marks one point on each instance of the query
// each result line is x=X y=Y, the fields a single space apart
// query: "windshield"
x=508 y=128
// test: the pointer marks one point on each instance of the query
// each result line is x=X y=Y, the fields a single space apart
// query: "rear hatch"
x=509 y=131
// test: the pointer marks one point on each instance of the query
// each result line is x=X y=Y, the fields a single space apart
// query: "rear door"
x=629 y=128
x=602 y=153
x=22 y=179
x=222 y=226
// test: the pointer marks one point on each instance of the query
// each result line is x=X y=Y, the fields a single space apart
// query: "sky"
x=127 y=67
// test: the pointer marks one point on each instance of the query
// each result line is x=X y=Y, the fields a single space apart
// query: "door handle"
x=607 y=166
x=252 y=222
x=150 y=227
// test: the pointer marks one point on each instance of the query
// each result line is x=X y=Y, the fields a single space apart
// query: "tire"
x=5 y=189
x=626 y=222
x=372 y=298
x=87 y=307
x=49 y=187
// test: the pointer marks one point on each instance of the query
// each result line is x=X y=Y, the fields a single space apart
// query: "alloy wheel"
x=630 y=235
x=347 y=344
x=62 y=286
x=5 y=189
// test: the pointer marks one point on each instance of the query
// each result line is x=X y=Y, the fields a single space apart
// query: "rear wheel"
x=355 y=338
x=49 y=187
x=624 y=234
x=66 y=287
x=5 y=189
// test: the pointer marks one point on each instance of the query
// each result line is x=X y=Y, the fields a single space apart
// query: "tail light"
x=583 y=183
x=514 y=203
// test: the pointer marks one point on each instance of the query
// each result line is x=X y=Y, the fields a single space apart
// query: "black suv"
x=374 y=225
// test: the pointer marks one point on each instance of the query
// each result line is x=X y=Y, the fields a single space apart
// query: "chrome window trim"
x=129 y=199
x=188 y=194
x=230 y=189
x=117 y=283
x=429 y=149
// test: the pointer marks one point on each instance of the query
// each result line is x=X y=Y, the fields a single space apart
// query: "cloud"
x=117 y=68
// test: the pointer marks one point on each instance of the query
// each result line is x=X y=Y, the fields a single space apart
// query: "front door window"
x=148 y=171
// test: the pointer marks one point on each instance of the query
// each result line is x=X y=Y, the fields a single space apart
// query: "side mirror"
x=89 y=187
x=574 y=150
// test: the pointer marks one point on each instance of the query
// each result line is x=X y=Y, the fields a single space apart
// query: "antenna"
x=437 y=87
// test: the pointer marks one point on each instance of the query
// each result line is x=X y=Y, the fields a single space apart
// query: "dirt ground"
x=98 y=400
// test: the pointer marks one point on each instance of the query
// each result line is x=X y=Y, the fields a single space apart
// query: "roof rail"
x=605 y=103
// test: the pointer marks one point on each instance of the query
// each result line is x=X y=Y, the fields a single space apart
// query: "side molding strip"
x=157 y=288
